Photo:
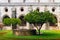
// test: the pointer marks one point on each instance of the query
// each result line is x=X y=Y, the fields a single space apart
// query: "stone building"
x=22 y=7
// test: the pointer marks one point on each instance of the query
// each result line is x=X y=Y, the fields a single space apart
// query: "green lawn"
x=46 y=34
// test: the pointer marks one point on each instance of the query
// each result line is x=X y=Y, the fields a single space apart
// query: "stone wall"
x=24 y=32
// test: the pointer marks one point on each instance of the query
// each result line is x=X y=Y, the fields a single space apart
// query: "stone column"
x=27 y=25
x=14 y=13
x=30 y=8
x=45 y=9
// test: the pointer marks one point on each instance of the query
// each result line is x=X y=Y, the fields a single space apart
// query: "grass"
x=46 y=34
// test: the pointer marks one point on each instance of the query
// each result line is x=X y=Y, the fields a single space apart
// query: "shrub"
x=15 y=21
x=7 y=21
x=39 y=18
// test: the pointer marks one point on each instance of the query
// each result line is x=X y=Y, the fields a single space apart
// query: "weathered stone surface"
x=24 y=32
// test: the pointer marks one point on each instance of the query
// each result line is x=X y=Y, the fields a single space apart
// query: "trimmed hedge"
x=13 y=21
x=7 y=21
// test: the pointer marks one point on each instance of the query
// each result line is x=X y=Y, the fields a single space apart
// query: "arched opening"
x=5 y=16
x=23 y=22
x=14 y=12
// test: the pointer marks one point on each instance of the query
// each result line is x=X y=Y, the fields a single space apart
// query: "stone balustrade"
x=28 y=4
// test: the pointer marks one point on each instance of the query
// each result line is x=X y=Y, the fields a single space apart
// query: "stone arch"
x=14 y=11
x=5 y=16
x=23 y=22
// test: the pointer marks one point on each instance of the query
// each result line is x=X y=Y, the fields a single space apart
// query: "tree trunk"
x=14 y=27
x=40 y=28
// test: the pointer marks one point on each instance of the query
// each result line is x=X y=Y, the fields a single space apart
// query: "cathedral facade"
x=19 y=8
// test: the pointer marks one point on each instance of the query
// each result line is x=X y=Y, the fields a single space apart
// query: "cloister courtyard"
x=46 y=32
x=29 y=19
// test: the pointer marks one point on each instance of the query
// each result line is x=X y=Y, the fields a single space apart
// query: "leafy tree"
x=14 y=22
x=50 y=17
x=35 y=17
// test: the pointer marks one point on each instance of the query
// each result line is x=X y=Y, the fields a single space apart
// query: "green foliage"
x=40 y=17
x=7 y=21
x=15 y=21
x=32 y=17
x=50 y=17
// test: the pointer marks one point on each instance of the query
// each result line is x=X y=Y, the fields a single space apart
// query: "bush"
x=7 y=21
x=15 y=21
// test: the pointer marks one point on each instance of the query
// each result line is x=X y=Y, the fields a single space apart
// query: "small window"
x=53 y=9
x=22 y=9
x=6 y=10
